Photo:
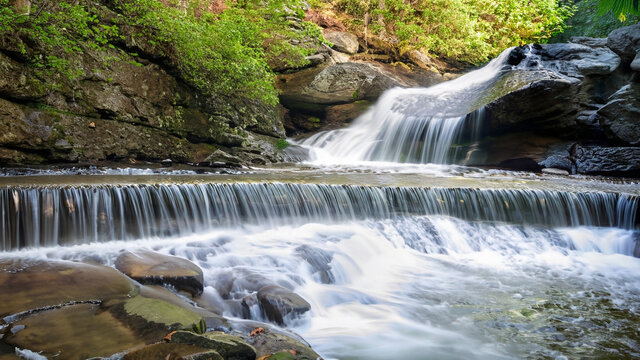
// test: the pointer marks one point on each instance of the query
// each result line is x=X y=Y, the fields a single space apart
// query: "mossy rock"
x=149 y=267
x=52 y=283
x=270 y=343
x=172 y=351
x=229 y=346
x=162 y=312
x=74 y=332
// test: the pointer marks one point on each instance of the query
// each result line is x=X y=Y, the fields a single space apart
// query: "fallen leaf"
x=168 y=337
x=292 y=352
x=264 y=357
x=256 y=331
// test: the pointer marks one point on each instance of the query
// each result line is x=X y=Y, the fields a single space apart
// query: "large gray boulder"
x=577 y=60
x=620 y=117
x=335 y=84
x=625 y=42
x=635 y=64
x=342 y=41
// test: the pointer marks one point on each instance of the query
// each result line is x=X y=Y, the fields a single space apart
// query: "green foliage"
x=220 y=54
x=468 y=30
x=282 y=144
x=587 y=22
x=620 y=8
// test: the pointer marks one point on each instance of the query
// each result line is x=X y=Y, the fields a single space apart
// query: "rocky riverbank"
x=150 y=309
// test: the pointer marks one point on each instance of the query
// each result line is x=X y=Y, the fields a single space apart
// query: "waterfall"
x=418 y=125
x=49 y=216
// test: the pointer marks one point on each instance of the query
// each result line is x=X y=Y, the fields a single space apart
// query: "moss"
x=162 y=312
x=282 y=144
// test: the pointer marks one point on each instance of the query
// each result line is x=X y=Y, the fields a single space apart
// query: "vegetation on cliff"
x=471 y=31
x=217 y=50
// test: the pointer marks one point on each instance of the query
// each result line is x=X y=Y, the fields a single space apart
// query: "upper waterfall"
x=417 y=125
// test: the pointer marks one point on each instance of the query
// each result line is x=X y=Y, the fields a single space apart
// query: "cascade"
x=49 y=216
x=416 y=125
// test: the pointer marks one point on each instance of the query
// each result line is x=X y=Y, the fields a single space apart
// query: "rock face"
x=152 y=268
x=607 y=160
x=128 y=109
x=579 y=92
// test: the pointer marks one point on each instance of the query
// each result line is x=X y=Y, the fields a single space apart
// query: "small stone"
x=92 y=125
x=229 y=346
x=166 y=162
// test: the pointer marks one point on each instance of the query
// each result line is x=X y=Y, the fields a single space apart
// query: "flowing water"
x=397 y=261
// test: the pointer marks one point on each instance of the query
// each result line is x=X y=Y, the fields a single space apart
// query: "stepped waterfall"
x=395 y=264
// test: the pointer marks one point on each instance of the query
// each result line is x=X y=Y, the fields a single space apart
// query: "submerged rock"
x=278 y=302
x=149 y=267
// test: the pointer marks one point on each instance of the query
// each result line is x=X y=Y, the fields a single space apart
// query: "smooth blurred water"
x=425 y=287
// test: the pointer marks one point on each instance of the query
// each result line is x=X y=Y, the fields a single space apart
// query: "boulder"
x=74 y=332
x=268 y=342
x=336 y=84
x=557 y=162
x=149 y=267
x=421 y=60
x=319 y=260
x=342 y=41
x=625 y=42
x=229 y=346
x=577 y=60
x=46 y=284
x=278 y=303
x=620 y=117
x=607 y=160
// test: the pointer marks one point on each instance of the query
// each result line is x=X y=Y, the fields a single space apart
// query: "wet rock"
x=625 y=42
x=75 y=332
x=620 y=117
x=152 y=268
x=342 y=41
x=269 y=342
x=319 y=260
x=557 y=162
x=295 y=154
x=278 y=302
x=555 y=171
x=170 y=316
x=172 y=351
x=607 y=160
x=51 y=283
x=229 y=346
